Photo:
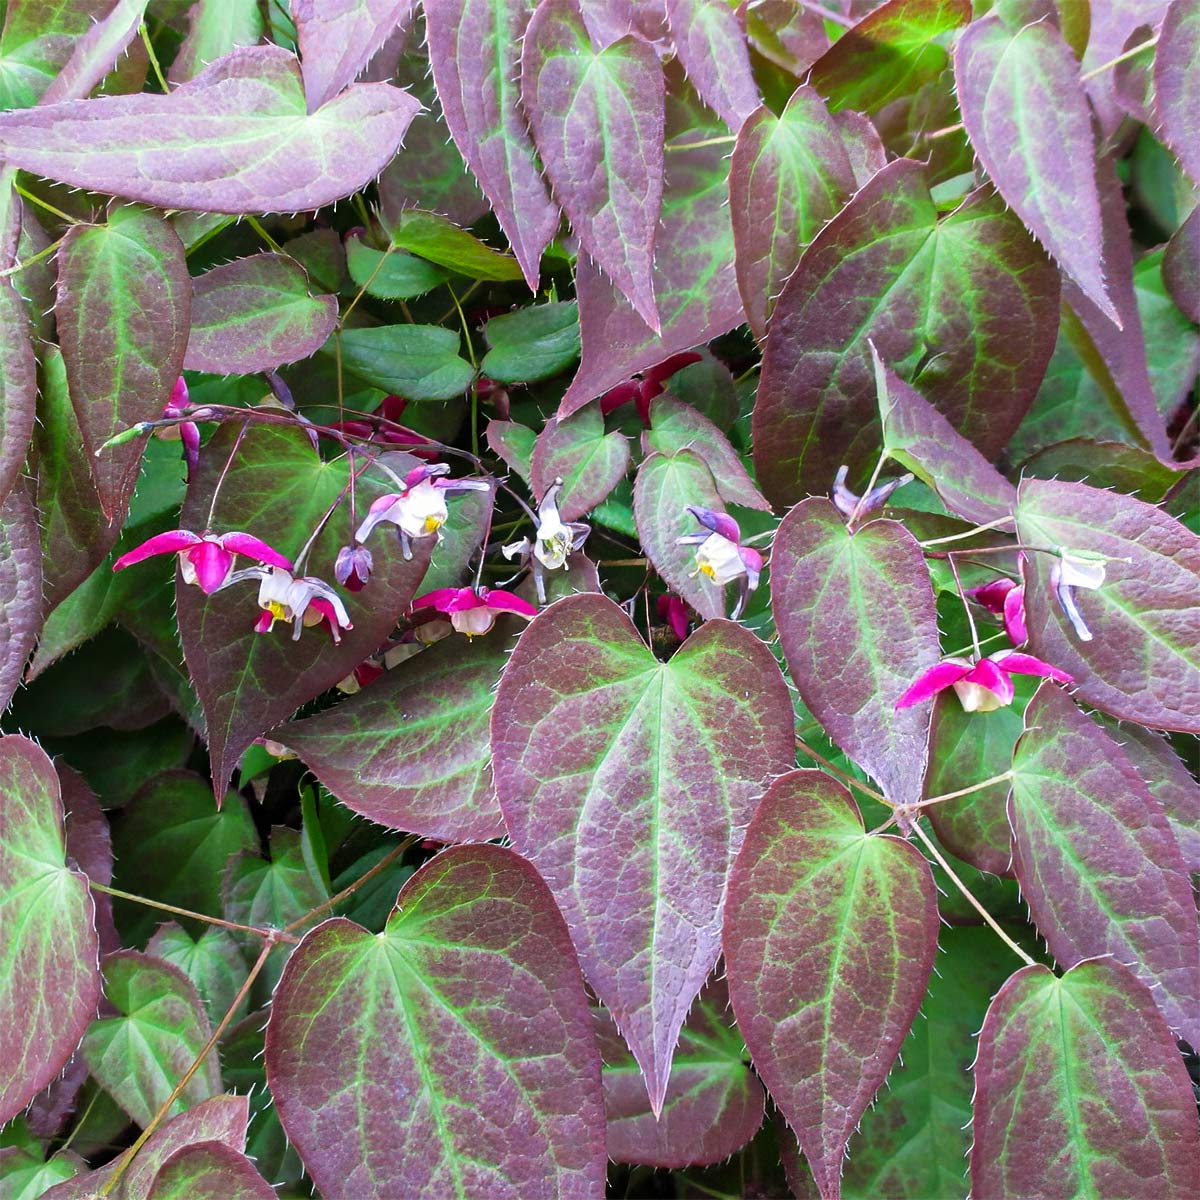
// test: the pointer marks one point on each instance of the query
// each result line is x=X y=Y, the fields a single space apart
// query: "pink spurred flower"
x=721 y=556
x=205 y=559
x=674 y=611
x=848 y=502
x=303 y=600
x=186 y=431
x=474 y=612
x=1006 y=598
x=419 y=510
x=980 y=686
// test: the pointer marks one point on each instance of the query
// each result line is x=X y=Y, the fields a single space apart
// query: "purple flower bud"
x=353 y=567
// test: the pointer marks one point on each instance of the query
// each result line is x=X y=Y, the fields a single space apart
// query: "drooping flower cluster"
x=720 y=555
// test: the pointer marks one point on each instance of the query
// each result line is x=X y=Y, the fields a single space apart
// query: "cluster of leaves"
x=626 y=889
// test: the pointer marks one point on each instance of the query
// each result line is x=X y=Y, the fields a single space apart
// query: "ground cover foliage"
x=599 y=597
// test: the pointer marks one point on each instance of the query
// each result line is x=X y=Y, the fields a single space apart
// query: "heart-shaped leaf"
x=597 y=119
x=122 y=312
x=612 y=765
x=235 y=139
x=50 y=983
x=1176 y=100
x=20 y=587
x=141 y=1054
x=1143 y=662
x=664 y=488
x=475 y=55
x=256 y=314
x=1028 y=120
x=209 y=1171
x=827 y=929
x=676 y=426
x=711 y=45
x=337 y=38
x=277 y=489
x=1096 y=858
x=496 y=1064
x=532 y=343
x=858 y=624
x=213 y=963
x=589 y=461
x=411 y=751
x=965 y=308
x=419 y=362
x=789 y=175
x=894 y=50
x=713 y=1105
x=1085 y=1067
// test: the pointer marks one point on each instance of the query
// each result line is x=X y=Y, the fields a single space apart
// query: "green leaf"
x=419 y=362
x=497 y=1100
x=213 y=962
x=532 y=343
x=209 y=1169
x=440 y=241
x=589 y=461
x=140 y=1055
x=36 y=42
x=171 y=844
x=25 y=1176
x=1086 y=1071
x=49 y=981
x=215 y=27
x=514 y=443
x=1116 y=466
x=391 y=274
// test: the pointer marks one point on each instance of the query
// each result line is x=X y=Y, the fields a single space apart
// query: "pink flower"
x=721 y=556
x=185 y=431
x=980 y=686
x=474 y=612
x=674 y=611
x=303 y=600
x=420 y=509
x=205 y=559
x=1006 y=598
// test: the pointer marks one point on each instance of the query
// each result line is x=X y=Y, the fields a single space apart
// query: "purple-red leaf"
x=1143 y=662
x=411 y=750
x=209 y=1171
x=597 y=119
x=970 y=299
x=96 y=52
x=711 y=44
x=789 y=175
x=1029 y=123
x=255 y=314
x=714 y=1103
x=629 y=783
x=462 y=1029
x=829 y=940
x=20 y=588
x=122 y=309
x=1176 y=96
x=18 y=367
x=475 y=55
x=1096 y=858
x=337 y=39
x=1080 y=1091
x=858 y=624
x=1181 y=266
x=589 y=461
x=235 y=139
x=89 y=848
x=50 y=984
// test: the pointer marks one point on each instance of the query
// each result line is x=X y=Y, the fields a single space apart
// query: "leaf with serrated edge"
x=37 y=40
x=209 y=1171
x=918 y=437
x=141 y=1054
x=122 y=310
x=1027 y=116
x=1096 y=859
x=1085 y=1068
x=494 y=1067
x=676 y=426
x=338 y=37
x=710 y=42
x=713 y=1105
x=589 y=461
x=411 y=750
x=858 y=624
x=829 y=940
x=513 y=443
x=628 y=783
x=256 y=314
x=1181 y=266
x=1143 y=663
x=789 y=174
x=215 y=27
x=970 y=296
x=277 y=489
x=597 y=120
x=18 y=368
x=235 y=139
x=664 y=488
x=1176 y=100
x=20 y=587
x=475 y=56
x=50 y=978
x=694 y=281
x=96 y=52
x=89 y=848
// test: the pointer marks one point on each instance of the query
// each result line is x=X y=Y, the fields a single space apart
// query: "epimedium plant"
x=586 y=584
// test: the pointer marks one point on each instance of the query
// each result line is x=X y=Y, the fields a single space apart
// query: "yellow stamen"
x=433 y=524
x=277 y=610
